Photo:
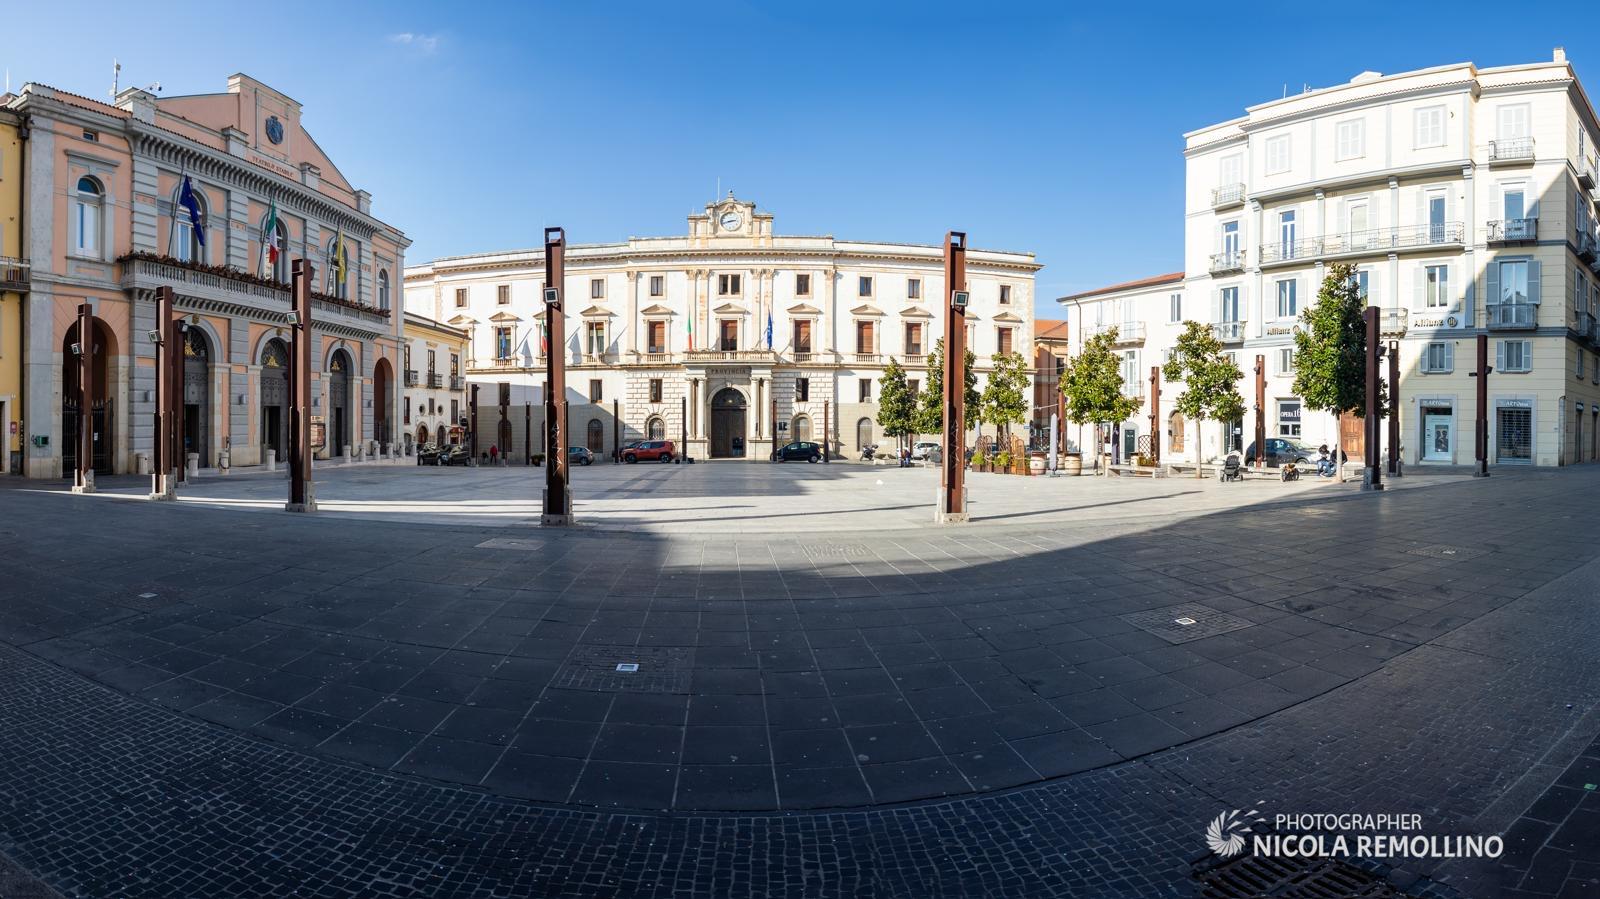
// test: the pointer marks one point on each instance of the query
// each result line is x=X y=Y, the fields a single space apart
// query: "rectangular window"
x=461 y=297
x=406 y=410
x=1230 y=170
x=431 y=358
x=502 y=343
x=596 y=391
x=1430 y=127
x=455 y=412
x=502 y=294
x=597 y=288
x=1437 y=292
x=864 y=286
x=1580 y=364
x=1515 y=356
x=730 y=285
x=1286 y=234
x=802 y=390
x=913 y=338
x=1175 y=308
x=972 y=337
x=1438 y=358
x=913 y=288
x=914 y=385
x=657 y=339
x=594 y=334
x=1514 y=282
x=1003 y=340
x=1287 y=305
x=1288 y=418
x=655 y=390
x=1513 y=121
x=1005 y=294
x=1277 y=149
x=864 y=390
x=802 y=285
x=1230 y=243
x=864 y=338
x=455 y=365
x=1228 y=306
x=1360 y=277
x=728 y=332
x=1349 y=140
x=658 y=285
x=1286 y=360
x=802 y=337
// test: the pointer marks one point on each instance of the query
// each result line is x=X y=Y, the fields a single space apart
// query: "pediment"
x=504 y=317
x=866 y=310
x=731 y=309
x=803 y=309
x=596 y=312
x=1008 y=317
x=462 y=320
x=656 y=309
x=915 y=312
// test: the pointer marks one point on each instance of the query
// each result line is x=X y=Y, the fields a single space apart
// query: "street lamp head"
x=959 y=298
x=552 y=296
x=155 y=336
x=293 y=318
x=77 y=348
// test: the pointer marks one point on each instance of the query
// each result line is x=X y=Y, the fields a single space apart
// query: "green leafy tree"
x=1091 y=384
x=1210 y=381
x=1330 y=350
x=929 y=417
x=1005 y=399
x=896 y=404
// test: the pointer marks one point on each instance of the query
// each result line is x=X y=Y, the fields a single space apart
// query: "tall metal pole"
x=302 y=492
x=952 y=506
x=472 y=422
x=683 y=419
x=1155 y=414
x=83 y=470
x=1261 y=414
x=1373 y=479
x=557 y=499
x=1481 y=437
x=161 y=483
x=827 y=419
x=616 y=433
x=1394 y=408
x=527 y=433
x=176 y=413
x=774 y=397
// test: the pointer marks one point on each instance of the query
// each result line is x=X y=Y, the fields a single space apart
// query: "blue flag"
x=187 y=200
x=769 y=329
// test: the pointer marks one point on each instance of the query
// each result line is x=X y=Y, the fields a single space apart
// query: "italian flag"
x=270 y=230
x=690 y=322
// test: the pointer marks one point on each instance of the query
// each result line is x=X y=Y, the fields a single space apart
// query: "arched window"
x=655 y=429
x=863 y=433
x=801 y=429
x=337 y=286
x=86 y=205
x=185 y=243
x=383 y=289
x=274 y=355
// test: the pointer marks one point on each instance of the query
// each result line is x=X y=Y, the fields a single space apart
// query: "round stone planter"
x=1072 y=464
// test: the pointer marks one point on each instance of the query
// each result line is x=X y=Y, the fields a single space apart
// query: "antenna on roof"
x=116 y=76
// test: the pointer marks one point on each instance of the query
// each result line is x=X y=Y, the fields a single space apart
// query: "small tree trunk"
x=1338 y=445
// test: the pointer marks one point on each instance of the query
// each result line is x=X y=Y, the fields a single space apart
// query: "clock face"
x=729 y=221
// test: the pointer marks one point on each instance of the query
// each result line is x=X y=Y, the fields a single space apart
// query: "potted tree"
x=1091 y=387
x=1210 y=382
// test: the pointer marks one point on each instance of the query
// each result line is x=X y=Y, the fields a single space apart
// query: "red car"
x=649 y=451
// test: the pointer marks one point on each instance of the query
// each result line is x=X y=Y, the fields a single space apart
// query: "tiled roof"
x=1169 y=278
x=1050 y=329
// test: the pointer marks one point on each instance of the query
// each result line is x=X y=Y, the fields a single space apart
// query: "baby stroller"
x=1231 y=469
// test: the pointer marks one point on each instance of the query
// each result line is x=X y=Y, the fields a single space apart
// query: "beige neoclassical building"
x=717 y=324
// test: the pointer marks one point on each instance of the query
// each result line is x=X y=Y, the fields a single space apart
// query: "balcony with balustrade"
x=1228 y=332
x=435 y=380
x=1585 y=171
x=1582 y=324
x=1374 y=241
x=1516 y=151
x=1228 y=263
x=1513 y=231
x=1133 y=389
x=458 y=383
x=15 y=274
x=746 y=356
x=1588 y=245
x=1227 y=196
x=1392 y=321
x=411 y=377
x=1512 y=316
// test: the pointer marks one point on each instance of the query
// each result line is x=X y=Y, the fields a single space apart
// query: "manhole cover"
x=1261 y=877
x=608 y=668
x=1441 y=551
x=1186 y=622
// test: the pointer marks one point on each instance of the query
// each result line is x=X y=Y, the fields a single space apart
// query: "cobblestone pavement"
x=275 y=703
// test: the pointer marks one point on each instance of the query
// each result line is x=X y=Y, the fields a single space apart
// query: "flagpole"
x=172 y=223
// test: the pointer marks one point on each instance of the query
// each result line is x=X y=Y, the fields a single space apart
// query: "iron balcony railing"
x=1222 y=263
x=458 y=383
x=1228 y=332
x=411 y=377
x=1594 y=330
x=1517 y=149
x=1285 y=250
x=435 y=379
x=1133 y=389
x=1586 y=178
x=1355 y=243
x=1129 y=332
x=1227 y=195
x=1583 y=323
x=15 y=274
x=1513 y=315
x=1393 y=320
x=1511 y=230
x=1587 y=244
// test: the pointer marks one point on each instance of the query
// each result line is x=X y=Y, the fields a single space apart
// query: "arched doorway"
x=727 y=424
x=800 y=429
x=196 y=395
x=275 y=398
x=422 y=434
x=1175 y=433
x=382 y=377
x=863 y=433
x=338 y=402
x=655 y=429
x=595 y=437
x=101 y=404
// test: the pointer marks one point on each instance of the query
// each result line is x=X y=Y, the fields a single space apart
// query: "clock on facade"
x=274 y=129
x=729 y=221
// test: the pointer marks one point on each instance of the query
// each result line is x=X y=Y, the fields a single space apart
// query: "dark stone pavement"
x=304 y=692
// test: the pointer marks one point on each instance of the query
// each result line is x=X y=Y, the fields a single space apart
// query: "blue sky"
x=1055 y=128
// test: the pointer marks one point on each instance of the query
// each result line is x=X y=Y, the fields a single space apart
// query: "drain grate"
x=1266 y=877
x=1442 y=551
x=606 y=668
x=1186 y=622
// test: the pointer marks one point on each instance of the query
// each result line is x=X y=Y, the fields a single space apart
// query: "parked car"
x=1281 y=450
x=622 y=450
x=434 y=454
x=579 y=455
x=923 y=448
x=650 y=451
x=810 y=452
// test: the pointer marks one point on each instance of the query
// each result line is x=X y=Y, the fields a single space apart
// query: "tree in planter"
x=1091 y=384
x=1330 y=353
x=1210 y=382
x=1004 y=401
x=929 y=415
x=896 y=404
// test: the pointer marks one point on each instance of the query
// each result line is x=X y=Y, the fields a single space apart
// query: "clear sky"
x=1054 y=128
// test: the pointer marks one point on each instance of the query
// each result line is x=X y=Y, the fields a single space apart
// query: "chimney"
x=1561 y=54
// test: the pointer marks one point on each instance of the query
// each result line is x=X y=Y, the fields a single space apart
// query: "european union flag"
x=769 y=329
x=186 y=199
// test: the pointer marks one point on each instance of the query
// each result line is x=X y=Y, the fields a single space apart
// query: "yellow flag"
x=338 y=258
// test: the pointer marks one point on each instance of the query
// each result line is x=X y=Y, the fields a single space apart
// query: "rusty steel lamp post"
x=1372 y=477
x=83 y=467
x=162 y=486
x=1395 y=465
x=952 y=500
x=1480 y=441
x=557 y=510
x=302 y=492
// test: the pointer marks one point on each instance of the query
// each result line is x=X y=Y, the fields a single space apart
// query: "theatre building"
x=191 y=192
x=732 y=334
